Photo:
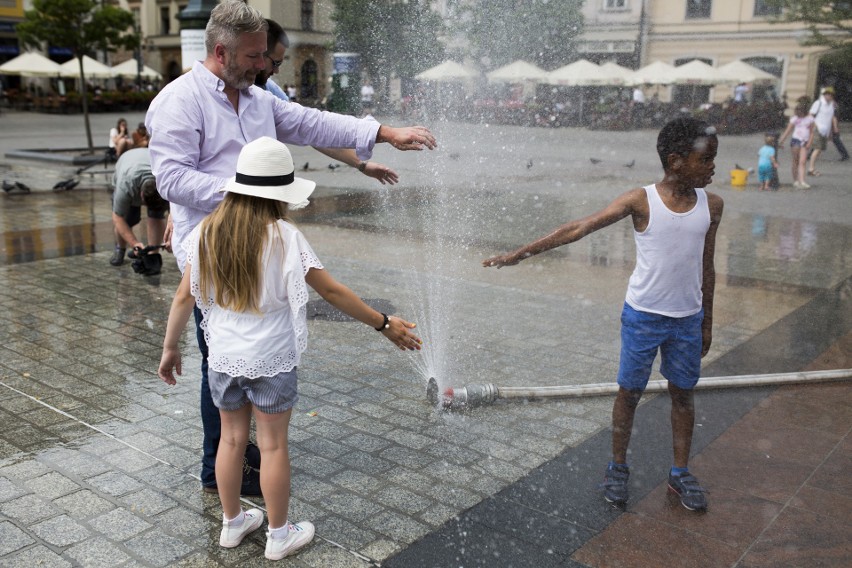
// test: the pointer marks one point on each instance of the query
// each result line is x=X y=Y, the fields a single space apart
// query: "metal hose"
x=483 y=394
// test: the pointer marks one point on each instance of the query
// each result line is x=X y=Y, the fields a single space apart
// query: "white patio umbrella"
x=581 y=73
x=696 y=72
x=618 y=74
x=30 y=65
x=656 y=73
x=91 y=68
x=739 y=71
x=518 y=72
x=128 y=69
x=448 y=71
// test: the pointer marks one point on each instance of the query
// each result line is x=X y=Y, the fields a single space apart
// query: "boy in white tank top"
x=669 y=303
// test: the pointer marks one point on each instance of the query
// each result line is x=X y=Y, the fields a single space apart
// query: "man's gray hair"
x=228 y=21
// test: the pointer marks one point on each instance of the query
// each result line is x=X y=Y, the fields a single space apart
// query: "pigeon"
x=529 y=163
x=60 y=184
x=333 y=167
x=455 y=156
x=7 y=187
x=595 y=160
x=22 y=186
x=630 y=164
x=306 y=166
x=738 y=167
x=71 y=184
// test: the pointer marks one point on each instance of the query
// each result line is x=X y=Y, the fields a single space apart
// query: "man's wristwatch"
x=362 y=166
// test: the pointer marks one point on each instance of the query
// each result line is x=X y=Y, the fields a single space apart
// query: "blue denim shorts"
x=764 y=173
x=678 y=340
x=270 y=395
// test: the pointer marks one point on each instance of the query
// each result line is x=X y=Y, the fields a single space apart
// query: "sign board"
x=346 y=63
x=191 y=48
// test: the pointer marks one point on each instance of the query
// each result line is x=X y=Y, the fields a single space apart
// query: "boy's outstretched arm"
x=708 y=281
x=629 y=203
x=349 y=303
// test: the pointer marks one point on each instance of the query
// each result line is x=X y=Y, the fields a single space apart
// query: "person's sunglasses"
x=275 y=64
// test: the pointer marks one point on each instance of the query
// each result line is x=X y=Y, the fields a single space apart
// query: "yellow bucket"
x=739 y=178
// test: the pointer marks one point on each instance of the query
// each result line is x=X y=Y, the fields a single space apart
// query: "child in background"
x=669 y=304
x=248 y=270
x=801 y=126
x=766 y=162
x=775 y=181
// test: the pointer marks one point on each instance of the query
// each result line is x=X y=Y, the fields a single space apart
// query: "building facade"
x=307 y=23
x=718 y=32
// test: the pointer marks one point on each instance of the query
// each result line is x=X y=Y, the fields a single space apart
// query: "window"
x=615 y=4
x=767 y=8
x=165 y=20
x=307 y=15
x=698 y=8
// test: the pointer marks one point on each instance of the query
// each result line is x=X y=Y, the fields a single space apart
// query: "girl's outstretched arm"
x=345 y=300
x=178 y=316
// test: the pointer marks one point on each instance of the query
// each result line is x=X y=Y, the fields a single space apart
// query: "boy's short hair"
x=679 y=136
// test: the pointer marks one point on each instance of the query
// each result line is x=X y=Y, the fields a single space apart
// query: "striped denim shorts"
x=270 y=395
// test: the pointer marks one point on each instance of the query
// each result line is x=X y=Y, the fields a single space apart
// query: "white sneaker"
x=797 y=185
x=804 y=185
x=233 y=536
x=300 y=535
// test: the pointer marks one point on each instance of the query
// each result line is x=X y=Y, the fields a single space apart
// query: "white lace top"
x=245 y=344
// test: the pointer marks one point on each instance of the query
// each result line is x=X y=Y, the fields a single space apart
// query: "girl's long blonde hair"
x=230 y=250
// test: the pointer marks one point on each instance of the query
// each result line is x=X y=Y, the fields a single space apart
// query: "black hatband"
x=265 y=181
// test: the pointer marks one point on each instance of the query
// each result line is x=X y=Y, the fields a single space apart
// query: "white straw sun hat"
x=265 y=169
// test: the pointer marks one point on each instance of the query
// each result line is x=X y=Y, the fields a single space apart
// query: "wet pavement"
x=99 y=459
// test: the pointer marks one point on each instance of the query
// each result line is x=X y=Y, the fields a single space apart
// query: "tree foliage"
x=81 y=26
x=393 y=37
x=829 y=22
x=502 y=31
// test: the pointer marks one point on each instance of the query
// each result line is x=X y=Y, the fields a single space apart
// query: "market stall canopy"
x=518 y=72
x=741 y=72
x=30 y=65
x=581 y=73
x=696 y=72
x=448 y=71
x=656 y=73
x=91 y=68
x=129 y=69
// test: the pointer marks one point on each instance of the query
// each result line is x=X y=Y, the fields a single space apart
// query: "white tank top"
x=669 y=258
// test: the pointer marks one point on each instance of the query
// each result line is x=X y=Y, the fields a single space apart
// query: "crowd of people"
x=810 y=129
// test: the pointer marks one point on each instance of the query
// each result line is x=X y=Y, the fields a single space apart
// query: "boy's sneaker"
x=233 y=536
x=615 y=484
x=299 y=535
x=691 y=494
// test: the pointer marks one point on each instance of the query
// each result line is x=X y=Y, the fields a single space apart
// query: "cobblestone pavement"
x=99 y=459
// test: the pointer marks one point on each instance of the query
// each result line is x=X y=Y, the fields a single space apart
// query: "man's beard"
x=234 y=78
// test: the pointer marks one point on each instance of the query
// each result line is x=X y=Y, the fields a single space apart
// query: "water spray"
x=475 y=395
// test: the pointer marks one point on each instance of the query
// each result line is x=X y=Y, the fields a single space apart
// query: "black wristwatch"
x=362 y=166
x=385 y=324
